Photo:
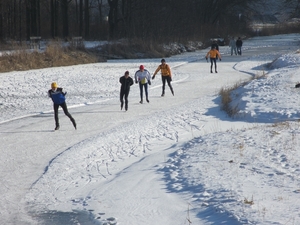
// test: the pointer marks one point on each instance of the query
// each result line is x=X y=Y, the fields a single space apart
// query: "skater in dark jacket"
x=126 y=81
x=215 y=45
x=239 y=44
x=58 y=97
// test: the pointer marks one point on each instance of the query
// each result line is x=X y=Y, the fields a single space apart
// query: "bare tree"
x=54 y=18
x=65 y=23
x=113 y=17
x=87 y=18
x=296 y=4
x=161 y=20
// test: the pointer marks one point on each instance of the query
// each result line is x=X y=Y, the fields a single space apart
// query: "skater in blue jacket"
x=58 y=97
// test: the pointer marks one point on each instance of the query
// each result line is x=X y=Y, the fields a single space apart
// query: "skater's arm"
x=136 y=76
x=207 y=54
x=156 y=71
x=131 y=81
x=148 y=76
x=219 y=55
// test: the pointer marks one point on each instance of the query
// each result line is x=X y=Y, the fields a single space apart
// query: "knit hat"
x=127 y=72
x=54 y=85
x=142 y=67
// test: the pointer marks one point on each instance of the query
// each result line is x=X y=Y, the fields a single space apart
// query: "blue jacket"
x=58 y=96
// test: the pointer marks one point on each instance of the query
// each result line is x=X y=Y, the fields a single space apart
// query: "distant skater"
x=126 y=81
x=58 y=97
x=213 y=55
x=143 y=77
x=166 y=75
x=215 y=44
x=239 y=44
x=232 y=46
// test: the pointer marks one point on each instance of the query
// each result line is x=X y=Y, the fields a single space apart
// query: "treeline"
x=101 y=19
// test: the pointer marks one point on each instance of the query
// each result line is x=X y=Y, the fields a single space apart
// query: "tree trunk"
x=28 y=28
x=112 y=17
x=87 y=18
x=80 y=17
x=20 y=21
x=1 y=22
x=64 y=10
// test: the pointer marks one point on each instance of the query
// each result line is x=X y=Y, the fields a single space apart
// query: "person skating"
x=232 y=45
x=213 y=55
x=215 y=44
x=239 y=44
x=142 y=76
x=126 y=81
x=166 y=75
x=58 y=97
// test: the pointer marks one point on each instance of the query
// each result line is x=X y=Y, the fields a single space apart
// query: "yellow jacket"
x=165 y=70
x=213 y=53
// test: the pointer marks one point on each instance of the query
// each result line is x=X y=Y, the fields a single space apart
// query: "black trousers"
x=164 y=79
x=141 y=90
x=124 y=96
x=65 y=109
x=213 y=61
x=239 y=50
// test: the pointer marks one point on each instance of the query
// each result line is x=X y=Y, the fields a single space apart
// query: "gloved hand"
x=136 y=81
x=220 y=59
x=153 y=77
x=149 y=82
x=206 y=59
x=64 y=93
x=170 y=78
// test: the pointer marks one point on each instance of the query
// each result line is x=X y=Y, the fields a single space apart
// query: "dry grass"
x=227 y=94
x=133 y=49
x=53 y=56
x=226 y=99
x=249 y=202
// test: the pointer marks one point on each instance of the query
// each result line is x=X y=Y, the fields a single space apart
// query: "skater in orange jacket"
x=166 y=75
x=213 y=55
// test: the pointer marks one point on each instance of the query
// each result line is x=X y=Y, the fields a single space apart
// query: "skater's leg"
x=55 y=107
x=169 y=84
x=215 y=62
x=211 y=64
x=121 y=99
x=146 y=92
x=65 y=108
x=141 y=92
x=126 y=100
x=163 y=79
